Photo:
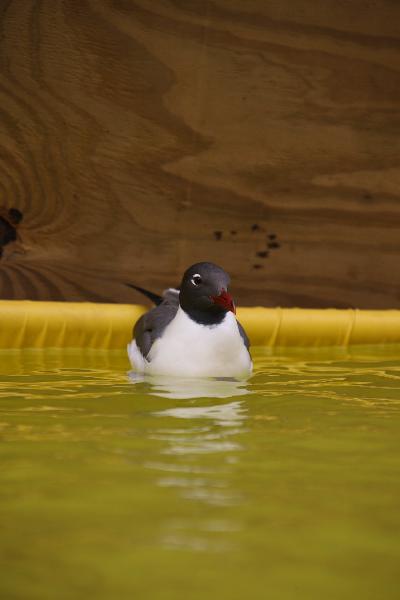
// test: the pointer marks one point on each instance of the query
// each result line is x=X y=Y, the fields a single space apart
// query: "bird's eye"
x=196 y=279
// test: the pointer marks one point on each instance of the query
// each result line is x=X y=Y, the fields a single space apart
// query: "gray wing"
x=245 y=339
x=151 y=325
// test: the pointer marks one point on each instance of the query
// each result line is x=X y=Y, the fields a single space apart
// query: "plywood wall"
x=138 y=136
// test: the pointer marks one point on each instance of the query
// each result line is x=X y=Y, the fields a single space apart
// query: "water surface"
x=283 y=487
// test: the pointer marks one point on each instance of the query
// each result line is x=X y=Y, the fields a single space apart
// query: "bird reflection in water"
x=181 y=388
x=198 y=457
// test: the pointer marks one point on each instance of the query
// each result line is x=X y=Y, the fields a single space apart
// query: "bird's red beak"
x=225 y=300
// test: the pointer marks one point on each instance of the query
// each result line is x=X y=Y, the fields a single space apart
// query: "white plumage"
x=189 y=349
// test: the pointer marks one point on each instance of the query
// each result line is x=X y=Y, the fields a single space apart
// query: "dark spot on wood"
x=255 y=227
x=9 y=220
x=368 y=197
x=273 y=245
x=233 y=232
x=7 y=232
x=14 y=216
x=257 y=266
x=262 y=253
x=272 y=236
x=218 y=235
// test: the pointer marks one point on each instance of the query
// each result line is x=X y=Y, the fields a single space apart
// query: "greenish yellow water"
x=285 y=487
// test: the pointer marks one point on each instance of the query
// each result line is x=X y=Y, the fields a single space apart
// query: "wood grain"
x=138 y=137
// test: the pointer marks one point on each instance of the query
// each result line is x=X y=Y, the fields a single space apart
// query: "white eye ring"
x=196 y=279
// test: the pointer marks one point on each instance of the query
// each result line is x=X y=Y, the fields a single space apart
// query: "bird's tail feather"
x=155 y=298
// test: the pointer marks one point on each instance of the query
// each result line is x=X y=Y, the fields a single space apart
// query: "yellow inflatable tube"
x=30 y=324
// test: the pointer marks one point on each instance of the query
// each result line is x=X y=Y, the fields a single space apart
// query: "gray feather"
x=151 y=325
x=245 y=339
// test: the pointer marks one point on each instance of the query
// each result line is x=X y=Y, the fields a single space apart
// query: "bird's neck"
x=206 y=317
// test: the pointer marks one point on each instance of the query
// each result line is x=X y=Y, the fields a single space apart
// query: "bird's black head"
x=203 y=293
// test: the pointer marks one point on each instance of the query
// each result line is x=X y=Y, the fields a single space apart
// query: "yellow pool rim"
x=33 y=324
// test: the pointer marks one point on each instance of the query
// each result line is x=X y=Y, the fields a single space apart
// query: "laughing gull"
x=193 y=331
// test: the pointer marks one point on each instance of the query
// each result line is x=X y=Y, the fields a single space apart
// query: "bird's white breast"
x=189 y=349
